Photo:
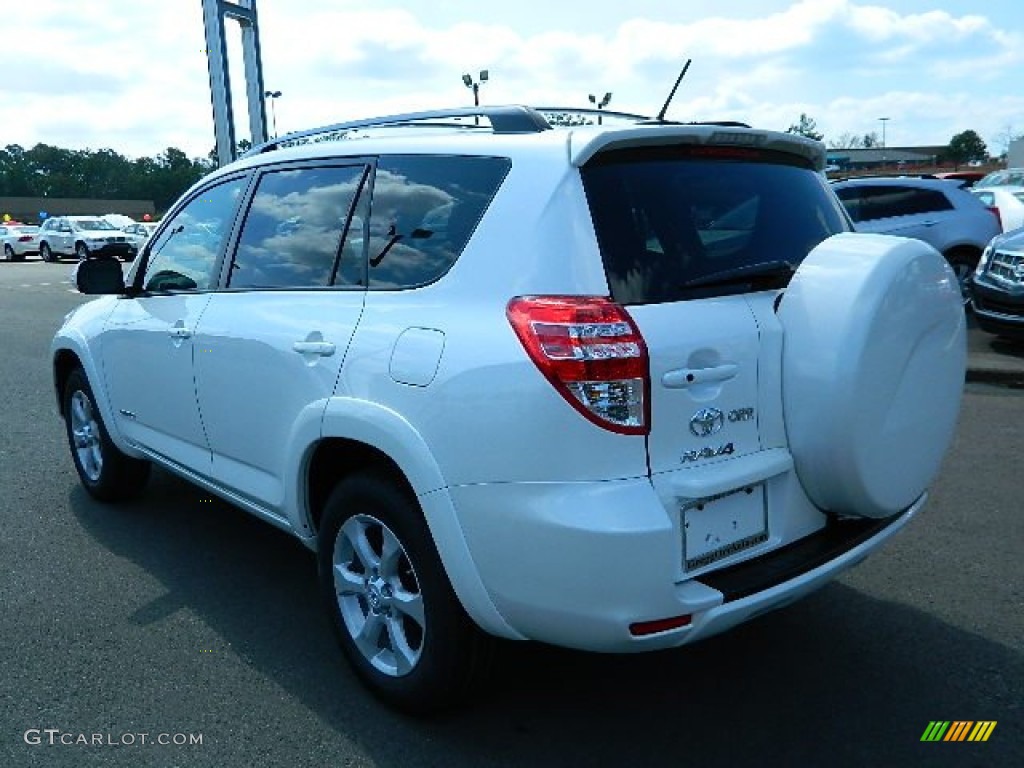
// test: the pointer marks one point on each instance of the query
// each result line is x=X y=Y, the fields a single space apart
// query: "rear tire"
x=8 y=253
x=106 y=472
x=396 y=616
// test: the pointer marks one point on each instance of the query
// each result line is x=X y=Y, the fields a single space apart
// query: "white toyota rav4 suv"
x=616 y=387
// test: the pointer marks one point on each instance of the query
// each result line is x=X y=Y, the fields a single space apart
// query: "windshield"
x=93 y=224
x=688 y=222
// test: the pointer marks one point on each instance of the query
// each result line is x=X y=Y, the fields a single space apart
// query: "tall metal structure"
x=244 y=12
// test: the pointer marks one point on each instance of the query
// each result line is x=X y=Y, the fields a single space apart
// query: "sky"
x=132 y=76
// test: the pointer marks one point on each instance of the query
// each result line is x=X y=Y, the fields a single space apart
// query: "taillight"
x=590 y=349
x=25 y=239
x=999 y=217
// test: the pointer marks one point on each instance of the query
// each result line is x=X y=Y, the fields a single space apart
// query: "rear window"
x=667 y=218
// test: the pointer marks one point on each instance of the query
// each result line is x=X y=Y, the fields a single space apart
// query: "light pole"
x=883 y=121
x=273 y=96
x=600 y=104
x=474 y=85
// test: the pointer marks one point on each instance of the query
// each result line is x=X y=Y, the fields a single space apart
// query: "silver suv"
x=614 y=387
x=941 y=213
x=83 y=237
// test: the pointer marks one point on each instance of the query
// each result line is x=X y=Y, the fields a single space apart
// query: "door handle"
x=313 y=344
x=321 y=348
x=179 y=332
x=682 y=378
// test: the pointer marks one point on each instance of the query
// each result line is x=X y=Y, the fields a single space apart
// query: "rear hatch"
x=698 y=239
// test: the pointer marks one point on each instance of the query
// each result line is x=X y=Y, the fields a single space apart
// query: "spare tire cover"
x=873 y=371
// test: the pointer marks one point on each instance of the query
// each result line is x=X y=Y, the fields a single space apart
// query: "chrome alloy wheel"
x=379 y=595
x=85 y=431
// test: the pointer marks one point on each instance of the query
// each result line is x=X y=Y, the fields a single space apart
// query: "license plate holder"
x=720 y=526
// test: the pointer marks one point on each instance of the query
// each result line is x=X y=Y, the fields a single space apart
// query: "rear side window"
x=883 y=202
x=667 y=218
x=423 y=211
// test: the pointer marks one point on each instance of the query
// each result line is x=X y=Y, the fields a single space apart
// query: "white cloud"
x=134 y=77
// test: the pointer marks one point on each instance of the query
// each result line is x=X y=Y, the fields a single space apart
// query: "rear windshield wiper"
x=767 y=274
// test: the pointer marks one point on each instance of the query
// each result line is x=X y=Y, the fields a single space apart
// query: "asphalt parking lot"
x=180 y=616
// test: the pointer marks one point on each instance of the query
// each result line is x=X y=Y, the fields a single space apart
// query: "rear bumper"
x=575 y=564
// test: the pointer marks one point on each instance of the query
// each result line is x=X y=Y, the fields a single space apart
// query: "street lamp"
x=474 y=85
x=273 y=96
x=600 y=104
x=883 y=121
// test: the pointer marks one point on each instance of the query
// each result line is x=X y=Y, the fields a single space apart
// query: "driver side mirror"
x=99 y=276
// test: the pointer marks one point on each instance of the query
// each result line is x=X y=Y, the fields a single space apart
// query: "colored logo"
x=958 y=730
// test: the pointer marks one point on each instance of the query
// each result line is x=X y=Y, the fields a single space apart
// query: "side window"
x=423 y=211
x=185 y=255
x=986 y=198
x=293 y=229
x=886 y=202
x=928 y=201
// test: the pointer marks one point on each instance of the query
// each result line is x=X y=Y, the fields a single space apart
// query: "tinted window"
x=184 y=256
x=293 y=229
x=423 y=212
x=887 y=201
x=669 y=216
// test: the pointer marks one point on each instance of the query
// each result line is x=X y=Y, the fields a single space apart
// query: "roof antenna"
x=661 y=115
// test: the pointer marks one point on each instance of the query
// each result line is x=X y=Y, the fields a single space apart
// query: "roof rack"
x=503 y=119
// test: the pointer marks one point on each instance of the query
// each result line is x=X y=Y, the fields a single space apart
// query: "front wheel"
x=963 y=264
x=106 y=472
x=397 y=618
x=45 y=253
x=81 y=251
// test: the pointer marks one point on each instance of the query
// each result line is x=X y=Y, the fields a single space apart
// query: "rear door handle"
x=179 y=332
x=682 y=378
x=314 y=344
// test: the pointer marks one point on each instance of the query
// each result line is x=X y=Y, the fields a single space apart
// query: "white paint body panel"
x=549 y=527
x=147 y=352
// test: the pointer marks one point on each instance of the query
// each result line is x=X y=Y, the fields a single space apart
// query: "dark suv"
x=997 y=288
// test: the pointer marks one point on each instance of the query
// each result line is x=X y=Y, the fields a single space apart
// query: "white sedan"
x=18 y=241
x=1008 y=200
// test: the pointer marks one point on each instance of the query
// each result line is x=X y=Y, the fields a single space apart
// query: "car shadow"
x=840 y=678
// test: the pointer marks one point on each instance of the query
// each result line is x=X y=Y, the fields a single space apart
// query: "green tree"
x=806 y=127
x=966 y=146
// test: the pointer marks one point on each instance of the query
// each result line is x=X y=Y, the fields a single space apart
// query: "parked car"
x=615 y=388
x=19 y=241
x=1007 y=201
x=138 y=232
x=937 y=211
x=83 y=237
x=1011 y=176
x=969 y=178
x=997 y=287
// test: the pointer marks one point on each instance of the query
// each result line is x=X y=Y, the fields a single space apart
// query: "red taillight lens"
x=999 y=217
x=25 y=239
x=590 y=349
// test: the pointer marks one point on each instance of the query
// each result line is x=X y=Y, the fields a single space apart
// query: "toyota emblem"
x=706 y=421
